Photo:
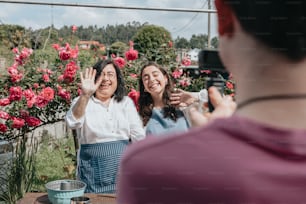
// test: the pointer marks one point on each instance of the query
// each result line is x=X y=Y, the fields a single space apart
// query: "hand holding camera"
x=224 y=106
x=209 y=60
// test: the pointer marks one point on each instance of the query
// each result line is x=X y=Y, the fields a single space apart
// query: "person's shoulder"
x=144 y=149
x=154 y=146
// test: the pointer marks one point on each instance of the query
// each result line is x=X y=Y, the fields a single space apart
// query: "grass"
x=55 y=160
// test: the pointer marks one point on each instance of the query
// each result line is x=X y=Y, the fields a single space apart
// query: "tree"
x=181 y=42
x=215 y=42
x=118 y=48
x=14 y=35
x=198 y=41
x=153 y=42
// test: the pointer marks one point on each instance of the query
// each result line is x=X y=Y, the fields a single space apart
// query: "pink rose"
x=17 y=122
x=16 y=77
x=24 y=113
x=4 y=101
x=47 y=93
x=186 y=61
x=134 y=76
x=35 y=85
x=56 y=46
x=60 y=78
x=46 y=78
x=120 y=62
x=229 y=85
x=74 y=28
x=64 y=94
x=4 y=115
x=15 y=93
x=41 y=101
x=177 y=74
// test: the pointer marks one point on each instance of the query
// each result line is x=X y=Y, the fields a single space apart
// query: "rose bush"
x=32 y=96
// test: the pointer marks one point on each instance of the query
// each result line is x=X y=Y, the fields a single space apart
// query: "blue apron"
x=98 y=165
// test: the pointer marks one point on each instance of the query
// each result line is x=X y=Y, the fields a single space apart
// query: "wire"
x=110 y=6
x=189 y=23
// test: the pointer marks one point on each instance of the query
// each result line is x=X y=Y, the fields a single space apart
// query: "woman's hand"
x=182 y=98
x=89 y=86
x=224 y=107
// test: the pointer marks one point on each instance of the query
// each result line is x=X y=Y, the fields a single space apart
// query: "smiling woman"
x=158 y=115
x=105 y=121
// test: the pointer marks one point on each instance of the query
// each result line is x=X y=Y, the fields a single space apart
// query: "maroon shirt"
x=233 y=160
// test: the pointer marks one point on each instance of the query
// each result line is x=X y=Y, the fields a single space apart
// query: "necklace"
x=273 y=97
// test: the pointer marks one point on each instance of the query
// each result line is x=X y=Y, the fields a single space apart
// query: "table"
x=42 y=198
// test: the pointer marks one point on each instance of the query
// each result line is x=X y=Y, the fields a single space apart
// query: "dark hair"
x=279 y=24
x=120 y=91
x=145 y=101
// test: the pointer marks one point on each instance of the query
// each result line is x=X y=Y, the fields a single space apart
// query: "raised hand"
x=181 y=98
x=89 y=86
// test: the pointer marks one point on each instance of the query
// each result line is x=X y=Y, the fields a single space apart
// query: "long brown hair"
x=146 y=101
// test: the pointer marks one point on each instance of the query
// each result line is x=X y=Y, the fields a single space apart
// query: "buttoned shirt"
x=102 y=123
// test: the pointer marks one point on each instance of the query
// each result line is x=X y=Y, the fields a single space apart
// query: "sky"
x=182 y=24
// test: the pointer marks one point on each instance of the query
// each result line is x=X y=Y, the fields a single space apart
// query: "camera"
x=209 y=60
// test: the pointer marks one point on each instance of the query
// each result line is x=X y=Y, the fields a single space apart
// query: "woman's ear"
x=225 y=18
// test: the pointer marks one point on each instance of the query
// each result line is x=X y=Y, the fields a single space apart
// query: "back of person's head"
x=121 y=90
x=145 y=101
x=279 y=24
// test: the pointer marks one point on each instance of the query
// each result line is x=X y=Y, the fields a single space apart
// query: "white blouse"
x=100 y=123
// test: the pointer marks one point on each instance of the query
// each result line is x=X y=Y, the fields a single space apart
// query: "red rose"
x=64 y=55
x=134 y=95
x=3 y=127
x=131 y=54
x=70 y=72
x=32 y=121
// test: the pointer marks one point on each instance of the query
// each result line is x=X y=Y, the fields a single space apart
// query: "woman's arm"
x=136 y=126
